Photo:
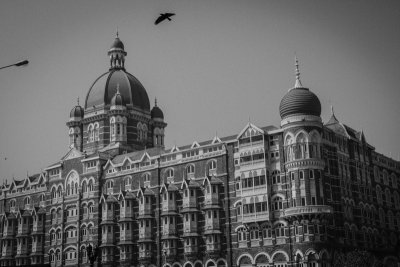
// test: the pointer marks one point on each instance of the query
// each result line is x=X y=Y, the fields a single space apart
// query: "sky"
x=214 y=67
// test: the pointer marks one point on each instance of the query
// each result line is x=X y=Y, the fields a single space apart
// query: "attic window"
x=54 y=172
x=91 y=164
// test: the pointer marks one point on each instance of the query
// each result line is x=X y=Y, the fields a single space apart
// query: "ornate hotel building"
x=299 y=194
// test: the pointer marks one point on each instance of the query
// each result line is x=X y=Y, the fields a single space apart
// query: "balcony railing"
x=169 y=206
x=145 y=210
x=126 y=236
x=169 y=229
x=22 y=230
x=108 y=216
x=191 y=249
x=107 y=258
x=72 y=262
x=107 y=239
x=8 y=252
x=212 y=225
x=145 y=254
x=213 y=246
x=125 y=256
x=22 y=250
x=304 y=210
x=211 y=199
x=253 y=217
x=189 y=202
x=189 y=227
x=145 y=233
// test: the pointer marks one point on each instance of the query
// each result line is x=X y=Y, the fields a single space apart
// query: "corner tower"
x=116 y=103
x=300 y=111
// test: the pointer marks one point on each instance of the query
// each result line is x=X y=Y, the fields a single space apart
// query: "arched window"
x=90 y=131
x=276 y=177
x=379 y=194
x=280 y=230
x=147 y=177
x=254 y=233
x=190 y=169
x=84 y=187
x=277 y=203
x=110 y=185
x=90 y=187
x=211 y=167
x=170 y=173
x=128 y=182
x=241 y=234
x=27 y=201
x=59 y=192
x=96 y=132
x=266 y=231
x=388 y=197
x=12 y=203
x=53 y=193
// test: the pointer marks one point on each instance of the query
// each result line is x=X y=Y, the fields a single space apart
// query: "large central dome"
x=105 y=87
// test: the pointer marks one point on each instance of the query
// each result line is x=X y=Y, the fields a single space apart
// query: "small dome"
x=118 y=99
x=299 y=101
x=156 y=112
x=76 y=112
x=118 y=44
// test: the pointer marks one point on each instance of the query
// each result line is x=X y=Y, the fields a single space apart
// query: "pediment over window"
x=72 y=153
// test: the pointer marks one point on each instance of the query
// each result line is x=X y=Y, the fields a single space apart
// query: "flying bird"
x=163 y=17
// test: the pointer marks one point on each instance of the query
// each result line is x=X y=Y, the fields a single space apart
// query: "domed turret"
x=117 y=44
x=77 y=112
x=118 y=99
x=117 y=54
x=299 y=101
x=156 y=112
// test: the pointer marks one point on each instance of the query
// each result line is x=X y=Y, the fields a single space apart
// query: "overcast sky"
x=211 y=68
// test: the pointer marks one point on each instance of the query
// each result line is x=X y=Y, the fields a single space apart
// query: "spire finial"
x=78 y=100
x=117 y=33
x=332 y=111
x=155 y=101
x=298 y=82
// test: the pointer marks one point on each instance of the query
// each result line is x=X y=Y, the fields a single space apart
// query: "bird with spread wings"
x=164 y=16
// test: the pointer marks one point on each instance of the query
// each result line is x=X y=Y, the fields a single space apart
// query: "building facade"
x=296 y=195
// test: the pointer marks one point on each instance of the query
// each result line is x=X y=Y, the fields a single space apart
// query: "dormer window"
x=91 y=164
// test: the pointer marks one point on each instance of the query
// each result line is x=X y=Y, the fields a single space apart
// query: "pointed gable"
x=195 y=145
x=216 y=140
x=250 y=130
x=72 y=153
